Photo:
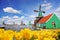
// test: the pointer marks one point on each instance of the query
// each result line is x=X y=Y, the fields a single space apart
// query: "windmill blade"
x=43 y=11
x=35 y=10
x=40 y=8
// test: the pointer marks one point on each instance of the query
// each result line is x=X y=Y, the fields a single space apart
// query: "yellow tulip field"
x=27 y=34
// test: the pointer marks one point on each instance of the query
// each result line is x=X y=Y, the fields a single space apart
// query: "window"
x=44 y=26
x=54 y=24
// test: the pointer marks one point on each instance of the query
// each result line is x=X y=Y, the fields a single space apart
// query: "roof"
x=44 y=19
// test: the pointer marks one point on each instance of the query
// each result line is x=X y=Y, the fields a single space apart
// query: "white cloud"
x=57 y=12
x=45 y=1
x=10 y=20
x=47 y=6
x=5 y=16
x=22 y=17
x=32 y=16
x=11 y=10
x=15 y=17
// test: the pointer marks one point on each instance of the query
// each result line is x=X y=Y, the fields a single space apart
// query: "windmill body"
x=40 y=12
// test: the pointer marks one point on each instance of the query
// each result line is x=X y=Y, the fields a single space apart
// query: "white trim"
x=50 y=18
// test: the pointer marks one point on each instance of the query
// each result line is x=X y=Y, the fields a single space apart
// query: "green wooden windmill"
x=40 y=12
x=29 y=23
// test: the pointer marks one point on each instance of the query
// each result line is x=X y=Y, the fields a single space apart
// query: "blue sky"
x=23 y=9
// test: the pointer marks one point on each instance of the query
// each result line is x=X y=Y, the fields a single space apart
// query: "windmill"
x=21 y=22
x=3 y=23
x=40 y=12
x=29 y=23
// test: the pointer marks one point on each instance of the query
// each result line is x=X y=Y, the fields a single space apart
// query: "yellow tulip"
x=26 y=33
x=35 y=34
x=18 y=36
